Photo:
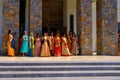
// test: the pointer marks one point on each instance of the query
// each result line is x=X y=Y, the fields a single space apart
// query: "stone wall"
x=107 y=27
x=10 y=21
x=1 y=26
x=36 y=16
x=84 y=22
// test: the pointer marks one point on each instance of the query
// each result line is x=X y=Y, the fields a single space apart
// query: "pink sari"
x=37 y=46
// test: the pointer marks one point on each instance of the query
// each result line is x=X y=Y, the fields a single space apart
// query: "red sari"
x=57 y=46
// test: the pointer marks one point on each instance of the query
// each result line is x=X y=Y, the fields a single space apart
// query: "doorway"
x=22 y=17
x=72 y=23
x=52 y=15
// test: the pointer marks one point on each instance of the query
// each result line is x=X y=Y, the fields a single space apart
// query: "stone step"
x=62 y=69
x=56 y=64
x=59 y=69
x=12 y=75
x=65 y=78
x=56 y=72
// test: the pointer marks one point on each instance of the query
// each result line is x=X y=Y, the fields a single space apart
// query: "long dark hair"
x=9 y=31
x=37 y=35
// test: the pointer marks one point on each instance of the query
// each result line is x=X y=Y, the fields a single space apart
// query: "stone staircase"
x=60 y=70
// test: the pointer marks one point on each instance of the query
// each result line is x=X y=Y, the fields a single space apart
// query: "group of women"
x=46 y=46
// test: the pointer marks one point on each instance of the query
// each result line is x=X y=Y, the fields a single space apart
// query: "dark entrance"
x=72 y=23
x=52 y=16
x=22 y=17
x=21 y=20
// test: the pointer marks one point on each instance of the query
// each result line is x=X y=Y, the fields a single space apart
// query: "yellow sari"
x=11 y=51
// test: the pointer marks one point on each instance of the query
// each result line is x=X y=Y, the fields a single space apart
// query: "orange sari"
x=11 y=51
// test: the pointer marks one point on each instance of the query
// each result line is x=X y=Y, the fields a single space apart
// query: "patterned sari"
x=75 y=46
x=65 y=49
x=45 y=51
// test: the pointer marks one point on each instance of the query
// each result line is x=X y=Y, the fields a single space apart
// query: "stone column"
x=10 y=21
x=27 y=15
x=1 y=26
x=107 y=28
x=36 y=16
x=84 y=22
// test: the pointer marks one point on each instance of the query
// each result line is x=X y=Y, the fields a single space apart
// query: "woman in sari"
x=70 y=41
x=11 y=45
x=57 y=42
x=45 y=51
x=24 y=47
x=75 y=45
x=51 y=43
x=65 y=49
x=31 y=45
x=20 y=44
x=37 y=45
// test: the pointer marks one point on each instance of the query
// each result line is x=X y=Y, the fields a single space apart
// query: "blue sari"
x=24 y=47
x=13 y=43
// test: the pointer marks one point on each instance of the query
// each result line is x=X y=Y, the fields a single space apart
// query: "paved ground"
x=72 y=58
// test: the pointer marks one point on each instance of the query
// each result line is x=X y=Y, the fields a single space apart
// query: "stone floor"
x=72 y=58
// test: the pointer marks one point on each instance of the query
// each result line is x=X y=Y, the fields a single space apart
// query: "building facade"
x=95 y=21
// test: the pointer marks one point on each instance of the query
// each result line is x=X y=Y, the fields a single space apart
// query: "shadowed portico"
x=107 y=40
